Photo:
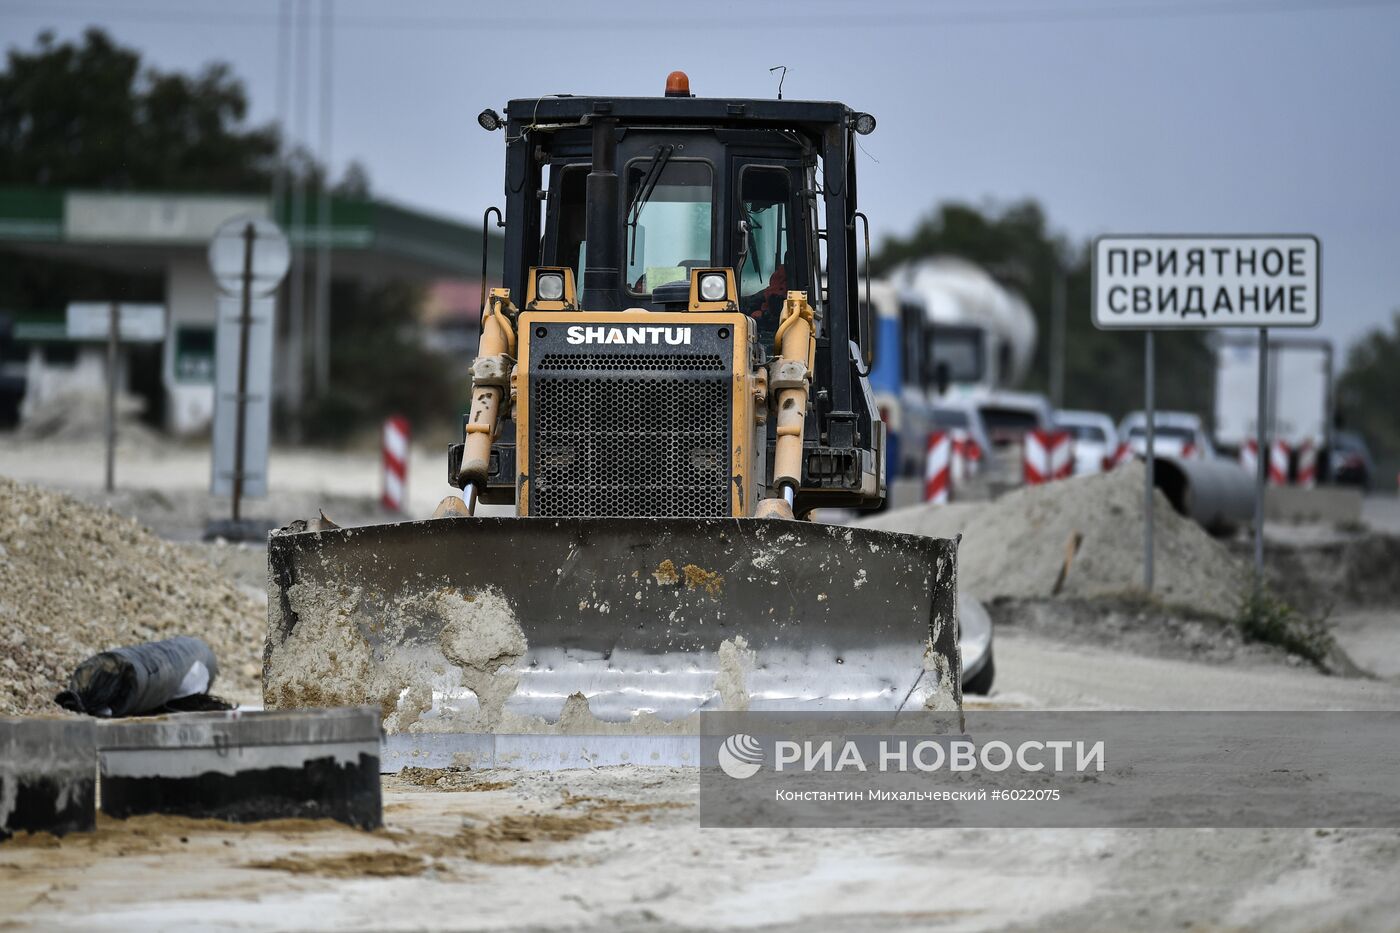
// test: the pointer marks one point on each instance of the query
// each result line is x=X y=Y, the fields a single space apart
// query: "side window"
x=913 y=343
x=765 y=218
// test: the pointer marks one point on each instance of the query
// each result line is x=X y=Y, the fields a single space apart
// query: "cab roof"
x=557 y=109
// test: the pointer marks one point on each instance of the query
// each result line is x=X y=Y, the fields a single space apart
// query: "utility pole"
x=279 y=176
x=322 y=329
x=1057 y=335
x=296 y=347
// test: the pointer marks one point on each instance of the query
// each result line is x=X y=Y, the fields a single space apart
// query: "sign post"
x=1265 y=457
x=248 y=257
x=1149 y=402
x=1189 y=282
x=114 y=328
x=114 y=323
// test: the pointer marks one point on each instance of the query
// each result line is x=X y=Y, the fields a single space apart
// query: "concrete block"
x=48 y=776
x=1329 y=505
x=245 y=766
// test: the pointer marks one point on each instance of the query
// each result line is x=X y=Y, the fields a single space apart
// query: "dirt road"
x=1039 y=673
x=621 y=849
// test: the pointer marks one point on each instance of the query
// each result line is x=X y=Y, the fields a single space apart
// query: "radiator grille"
x=620 y=434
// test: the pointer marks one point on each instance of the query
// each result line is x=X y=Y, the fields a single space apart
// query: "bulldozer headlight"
x=865 y=124
x=489 y=119
x=549 y=286
x=713 y=287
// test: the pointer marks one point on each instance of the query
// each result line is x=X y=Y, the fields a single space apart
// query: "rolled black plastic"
x=141 y=678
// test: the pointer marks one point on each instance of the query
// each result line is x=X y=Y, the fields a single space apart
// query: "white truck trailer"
x=1300 y=397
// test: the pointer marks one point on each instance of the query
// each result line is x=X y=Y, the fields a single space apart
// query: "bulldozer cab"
x=629 y=201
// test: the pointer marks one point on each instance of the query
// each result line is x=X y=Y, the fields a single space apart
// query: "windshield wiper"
x=644 y=190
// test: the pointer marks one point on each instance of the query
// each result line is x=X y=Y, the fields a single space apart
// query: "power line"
x=1023 y=15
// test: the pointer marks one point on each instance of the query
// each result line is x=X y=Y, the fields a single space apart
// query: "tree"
x=88 y=114
x=354 y=182
x=380 y=367
x=1368 y=390
x=1103 y=370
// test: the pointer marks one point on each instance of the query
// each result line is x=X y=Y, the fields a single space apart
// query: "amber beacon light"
x=678 y=84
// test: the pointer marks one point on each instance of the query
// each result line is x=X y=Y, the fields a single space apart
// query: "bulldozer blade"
x=520 y=625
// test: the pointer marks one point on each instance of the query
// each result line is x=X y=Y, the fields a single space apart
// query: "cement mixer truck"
x=981 y=334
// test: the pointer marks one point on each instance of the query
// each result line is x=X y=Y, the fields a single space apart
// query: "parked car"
x=962 y=416
x=1178 y=434
x=1007 y=418
x=1095 y=439
x=1351 y=460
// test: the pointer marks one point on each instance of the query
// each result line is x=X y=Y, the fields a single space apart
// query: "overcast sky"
x=1195 y=116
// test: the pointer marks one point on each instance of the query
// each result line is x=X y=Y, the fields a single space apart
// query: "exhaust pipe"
x=601 y=275
x=1217 y=494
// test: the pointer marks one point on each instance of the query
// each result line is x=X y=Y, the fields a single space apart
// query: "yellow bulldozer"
x=671 y=380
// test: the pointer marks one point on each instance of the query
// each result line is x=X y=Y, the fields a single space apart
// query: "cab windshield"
x=669 y=221
x=959 y=349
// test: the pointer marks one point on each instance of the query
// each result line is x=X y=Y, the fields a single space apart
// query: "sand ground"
x=621 y=849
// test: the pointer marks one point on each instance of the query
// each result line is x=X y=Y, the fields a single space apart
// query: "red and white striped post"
x=395 y=444
x=1048 y=455
x=967 y=455
x=1249 y=455
x=1278 y=463
x=1278 y=460
x=1307 y=465
x=1122 y=455
x=938 y=466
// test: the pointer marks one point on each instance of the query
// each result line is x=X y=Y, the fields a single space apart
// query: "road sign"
x=139 y=323
x=1171 y=282
x=271 y=255
x=1184 y=282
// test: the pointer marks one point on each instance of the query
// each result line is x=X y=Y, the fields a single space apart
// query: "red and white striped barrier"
x=1278 y=460
x=395 y=445
x=1307 y=465
x=938 y=467
x=1249 y=456
x=1278 y=463
x=1122 y=455
x=967 y=455
x=1048 y=455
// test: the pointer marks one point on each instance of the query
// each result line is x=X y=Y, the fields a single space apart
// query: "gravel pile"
x=1016 y=546
x=77 y=579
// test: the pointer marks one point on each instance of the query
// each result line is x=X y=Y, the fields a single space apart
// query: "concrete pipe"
x=1219 y=494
